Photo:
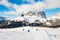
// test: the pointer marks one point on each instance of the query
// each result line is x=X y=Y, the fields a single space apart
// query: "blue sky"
x=9 y=6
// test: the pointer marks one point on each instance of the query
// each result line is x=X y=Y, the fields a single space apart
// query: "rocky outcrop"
x=3 y=21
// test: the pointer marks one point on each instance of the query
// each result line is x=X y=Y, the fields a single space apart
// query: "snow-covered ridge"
x=34 y=19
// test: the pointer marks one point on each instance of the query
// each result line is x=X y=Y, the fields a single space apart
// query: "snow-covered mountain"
x=38 y=18
x=29 y=18
x=54 y=21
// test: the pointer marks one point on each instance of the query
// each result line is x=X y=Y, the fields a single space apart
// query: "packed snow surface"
x=30 y=33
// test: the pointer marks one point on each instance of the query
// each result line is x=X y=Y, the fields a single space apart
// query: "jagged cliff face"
x=42 y=14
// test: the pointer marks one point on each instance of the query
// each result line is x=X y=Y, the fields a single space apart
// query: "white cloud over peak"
x=39 y=6
x=29 y=7
x=22 y=8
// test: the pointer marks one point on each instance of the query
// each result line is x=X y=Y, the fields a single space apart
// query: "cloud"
x=31 y=1
x=25 y=7
x=10 y=12
x=52 y=4
x=22 y=8
x=39 y=6
x=29 y=7
x=5 y=3
x=47 y=4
